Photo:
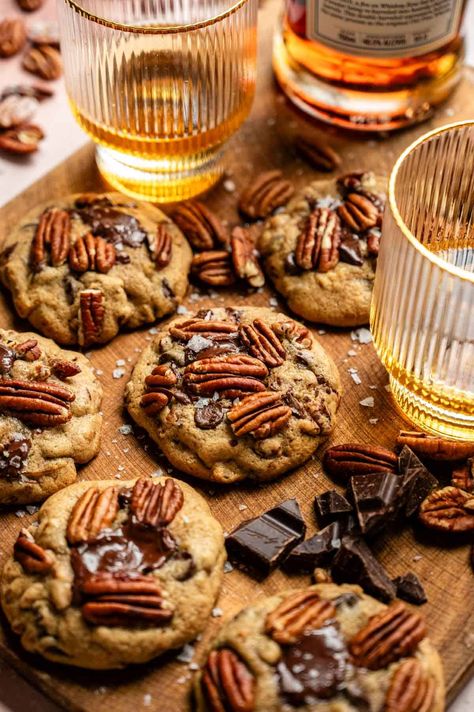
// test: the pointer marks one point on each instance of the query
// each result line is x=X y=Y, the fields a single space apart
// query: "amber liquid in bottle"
x=361 y=92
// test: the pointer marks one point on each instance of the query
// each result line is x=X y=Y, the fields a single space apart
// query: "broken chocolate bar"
x=319 y=550
x=330 y=506
x=355 y=563
x=376 y=498
x=410 y=589
x=417 y=481
x=261 y=544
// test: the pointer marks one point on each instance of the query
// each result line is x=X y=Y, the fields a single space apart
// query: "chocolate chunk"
x=319 y=550
x=208 y=416
x=13 y=456
x=122 y=257
x=376 y=497
x=355 y=563
x=314 y=668
x=349 y=251
x=290 y=265
x=417 y=481
x=348 y=599
x=7 y=358
x=329 y=506
x=410 y=589
x=260 y=544
x=113 y=225
x=167 y=290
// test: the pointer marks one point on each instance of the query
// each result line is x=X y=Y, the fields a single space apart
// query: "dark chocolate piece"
x=330 y=506
x=313 y=668
x=112 y=224
x=261 y=544
x=319 y=550
x=208 y=416
x=376 y=497
x=349 y=251
x=7 y=357
x=417 y=481
x=290 y=265
x=410 y=589
x=355 y=563
x=348 y=599
x=13 y=456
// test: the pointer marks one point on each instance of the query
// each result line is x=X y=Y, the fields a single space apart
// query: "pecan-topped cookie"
x=321 y=250
x=114 y=573
x=235 y=393
x=318 y=649
x=83 y=267
x=49 y=416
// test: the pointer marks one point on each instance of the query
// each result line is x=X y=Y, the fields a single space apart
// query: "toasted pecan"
x=32 y=557
x=300 y=612
x=264 y=194
x=259 y=414
x=200 y=225
x=263 y=343
x=227 y=683
x=410 y=690
x=37 y=403
x=230 y=374
x=156 y=504
x=449 y=509
x=93 y=511
x=435 y=448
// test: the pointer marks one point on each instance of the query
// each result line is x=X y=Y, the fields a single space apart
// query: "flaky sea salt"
x=153 y=330
x=186 y=654
x=321 y=332
x=120 y=362
x=125 y=429
x=216 y=612
x=228 y=567
x=356 y=378
x=362 y=335
x=147 y=700
x=242 y=507
x=181 y=309
x=373 y=421
x=229 y=186
x=367 y=402
x=351 y=352
x=273 y=302
x=118 y=372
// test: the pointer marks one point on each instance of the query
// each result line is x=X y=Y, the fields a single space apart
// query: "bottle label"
x=370 y=28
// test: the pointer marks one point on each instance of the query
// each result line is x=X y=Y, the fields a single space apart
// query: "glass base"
x=160 y=181
x=431 y=418
x=359 y=110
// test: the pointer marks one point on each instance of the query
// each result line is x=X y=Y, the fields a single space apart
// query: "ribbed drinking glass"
x=422 y=314
x=159 y=85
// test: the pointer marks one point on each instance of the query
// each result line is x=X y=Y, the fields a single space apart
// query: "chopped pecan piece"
x=463 y=476
x=200 y=225
x=435 y=448
x=92 y=254
x=42 y=404
x=53 y=233
x=226 y=683
x=393 y=634
x=213 y=267
x=163 y=246
x=263 y=343
x=260 y=414
x=44 y=61
x=233 y=375
x=355 y=182
x=64 y=369
x=410 y=689
x=373 y=241
x=266 y=193
x=158 y=392
x=302 y=611
x=356 y=459
x=156 y=504
x=317 y=246
x=21 y=139
x=12 y=36
x=293 y=332
x=30 y=5
x=358 y=212
x=91 y=316
x=94 y=510
x=217 y=330
x=448 y=509
x=319 y=154
x=244 y=259
x=33 y=558
x=118 y=601
x=28 y=350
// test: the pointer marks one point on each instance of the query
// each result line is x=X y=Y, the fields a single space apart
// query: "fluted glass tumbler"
x=422 y=314
x=160 y=86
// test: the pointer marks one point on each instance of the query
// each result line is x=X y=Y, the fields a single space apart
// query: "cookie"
x=235 y=393
x=81 y=268
x=318 y=649
x=49 y=416
x=114 y=573
x=320 y=251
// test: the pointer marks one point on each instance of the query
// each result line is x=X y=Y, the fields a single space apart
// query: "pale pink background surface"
x=63 y=138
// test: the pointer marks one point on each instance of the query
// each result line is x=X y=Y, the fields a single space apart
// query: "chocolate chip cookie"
x=322 y=648
x=49 y=416
x=321 y=250
x=83 y=267
x=114 y=573
x=235 y=393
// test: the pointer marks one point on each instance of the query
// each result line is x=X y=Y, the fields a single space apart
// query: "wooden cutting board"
x=264 y=142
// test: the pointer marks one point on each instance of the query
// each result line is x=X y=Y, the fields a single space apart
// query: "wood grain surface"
x=263 y=142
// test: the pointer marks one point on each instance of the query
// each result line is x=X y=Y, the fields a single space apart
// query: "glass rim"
x=432 y=256
x=154 y=29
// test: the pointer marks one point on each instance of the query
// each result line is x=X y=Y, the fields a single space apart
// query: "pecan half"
x=463 y=476
x=53 y=232
x=12 y=36
x=16 y=110
x=263 y=343
x=296 y=614
x=227 y=684
x=213 y=267
x=44 y=61
x=355 y=459
x=435 y=448
x=218 y=330
x=233 y=375
x=201 y=226
x=317 y=246
x=21 y=139
x=358 y=212
x=159 y=394
x=91 y=316
x=42 y=404
x=266 y=193
x=33 y=558
x=448 y=509
x=94 y=510
x=244 y=260
x=118 y=601
x=30 y=5
x=35 y=91
x=410 y=689
x=293 y=332
x=318 y=153
x=28 y=350
x=387 y=637
x=64 y=369
x=92 y=254
x=260 y=414
x=163 y=246
x=156 y=504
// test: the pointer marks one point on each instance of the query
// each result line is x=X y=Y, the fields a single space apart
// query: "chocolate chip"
x=7 y=358
x=410 y=589
x=208 y=416
x=290 y=265
x=348 y=599
x=331 y=506
x=122 y=257
x=355 y=563
x=319 y=550
x=376 y=497
x=349 y=251
x=13 y=456
x=166 y=289
x=418 y=482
